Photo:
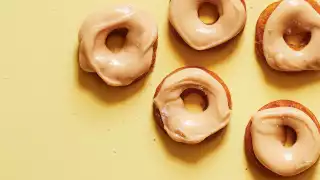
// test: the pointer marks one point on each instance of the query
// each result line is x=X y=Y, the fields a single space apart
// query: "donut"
x=183 y=16
x=181 y=125
x=265 y=135
x=290 y=17
x=138 y=54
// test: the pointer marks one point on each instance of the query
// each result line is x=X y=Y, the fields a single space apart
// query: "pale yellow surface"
x=59 y=123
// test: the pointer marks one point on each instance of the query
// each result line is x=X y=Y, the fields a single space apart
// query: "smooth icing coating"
x=183 y=15
x=133 y=60
x=268 y=136
x=277 y=53
x=184 y=126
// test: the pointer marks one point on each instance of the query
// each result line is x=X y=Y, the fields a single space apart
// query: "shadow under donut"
x=261 y=173
x=95 y=85
x=189 y=153
x=190 y=56
x=286 y=80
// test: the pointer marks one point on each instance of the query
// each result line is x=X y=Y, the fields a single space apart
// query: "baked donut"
x=290 y=17
x=181 y=125
x=265 y=137
x=183 y=16
x=136 y=57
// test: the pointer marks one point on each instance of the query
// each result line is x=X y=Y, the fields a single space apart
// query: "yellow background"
x=59 y=123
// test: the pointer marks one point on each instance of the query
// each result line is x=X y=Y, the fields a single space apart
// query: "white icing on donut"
x=184 y=126
x=277 y=53
x=200 y=36
x=268 y=135
x=135 y=58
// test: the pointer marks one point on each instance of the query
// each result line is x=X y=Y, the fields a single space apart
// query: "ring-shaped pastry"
x=183 y=15
x=279 y=19
x=265 y=137
x=182 y=125
x=136 y=57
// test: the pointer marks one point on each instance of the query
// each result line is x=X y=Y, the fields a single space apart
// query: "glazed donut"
x=265 y=135
x=183 y=15
x=285 y=17
x=136 y=57
x=181 y=125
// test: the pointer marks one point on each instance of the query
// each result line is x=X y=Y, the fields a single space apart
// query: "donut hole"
x=195 y=100
x=297 y=37
x=116 y=40
x=208 y=13
x=290 y=136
